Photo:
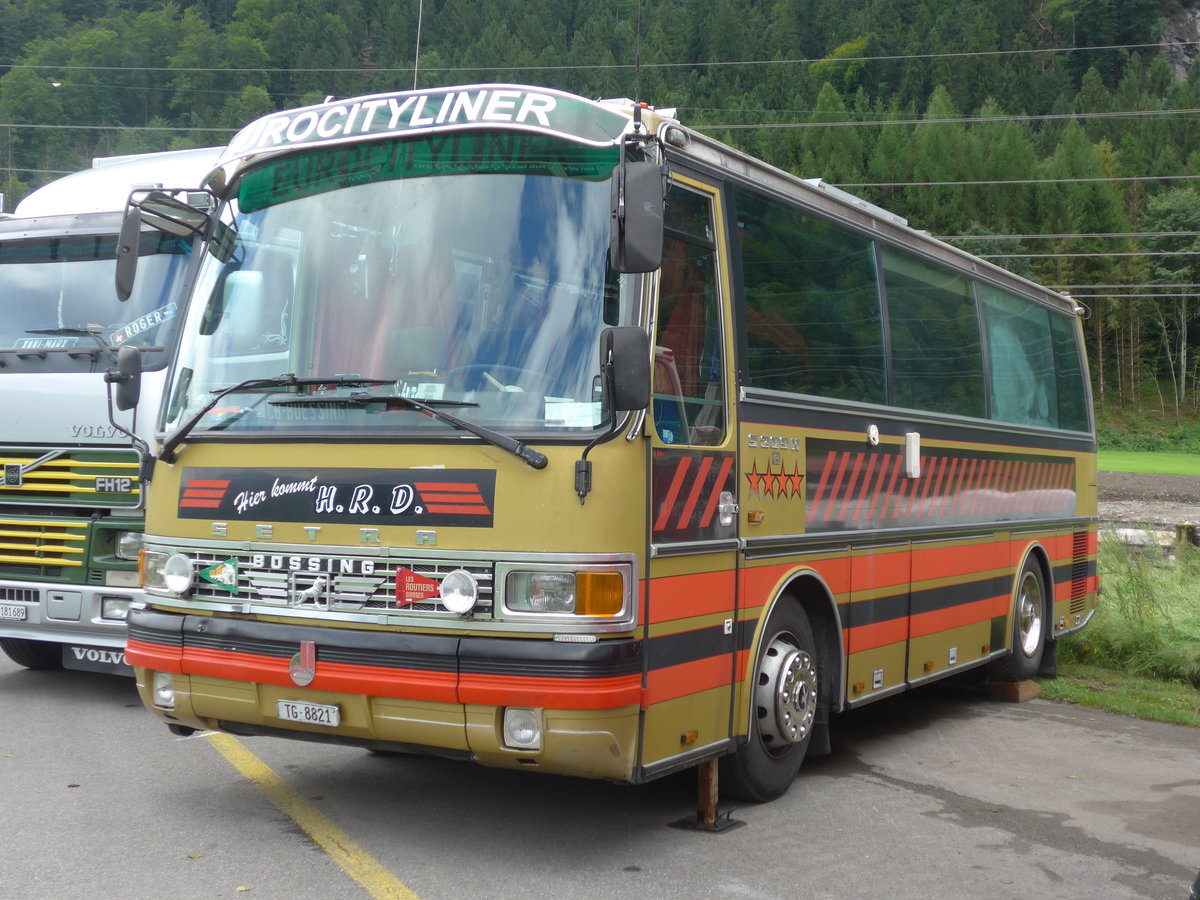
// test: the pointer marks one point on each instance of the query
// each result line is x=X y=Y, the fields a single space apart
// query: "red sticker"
x=413 y=588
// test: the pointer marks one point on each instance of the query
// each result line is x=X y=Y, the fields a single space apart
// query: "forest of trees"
x=1084 y=132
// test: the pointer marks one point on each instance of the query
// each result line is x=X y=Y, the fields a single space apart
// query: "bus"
x=554 y=435
x=70 y=504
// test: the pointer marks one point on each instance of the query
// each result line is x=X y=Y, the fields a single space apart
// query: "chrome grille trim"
x=325 y=590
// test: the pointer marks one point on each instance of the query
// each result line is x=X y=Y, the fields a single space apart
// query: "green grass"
x=1140 y=655
x=1152 y=461
x=1119 y=692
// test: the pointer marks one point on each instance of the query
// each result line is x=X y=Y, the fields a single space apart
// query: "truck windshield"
x=476 y=281
x=59 y=304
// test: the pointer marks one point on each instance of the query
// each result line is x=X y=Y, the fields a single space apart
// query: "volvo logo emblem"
x=303 y=667
x=13 y=475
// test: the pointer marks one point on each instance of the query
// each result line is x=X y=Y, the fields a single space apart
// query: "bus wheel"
x=1029 y=628
x=32 y=654
x=784 y=707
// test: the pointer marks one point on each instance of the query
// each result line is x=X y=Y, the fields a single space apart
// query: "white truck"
x=71 y=505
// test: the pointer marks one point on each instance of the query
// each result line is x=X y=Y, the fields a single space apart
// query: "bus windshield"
x=479 y=285
x=58 y=305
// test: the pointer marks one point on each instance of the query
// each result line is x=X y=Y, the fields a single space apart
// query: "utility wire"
x=894 y=57
x=1067 y=237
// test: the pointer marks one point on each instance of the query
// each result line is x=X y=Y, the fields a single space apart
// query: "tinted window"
x=689 y=404
x=813 y=323
x=937 y=360
x=1020 y=359
x=1072 y=389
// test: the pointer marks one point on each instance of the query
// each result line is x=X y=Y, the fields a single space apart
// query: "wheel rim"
x=1029 y=614
x=785 y=696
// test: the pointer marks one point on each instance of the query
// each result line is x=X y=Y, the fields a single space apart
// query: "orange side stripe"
x=686 y=678
x=685 y=596
x=877 y=634
x=925 y=624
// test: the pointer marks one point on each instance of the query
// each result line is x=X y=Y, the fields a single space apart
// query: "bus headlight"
x=582 y=593
x=170 y=573
x=459 y=591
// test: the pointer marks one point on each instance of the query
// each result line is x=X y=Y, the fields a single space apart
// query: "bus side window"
x=688 y=368
x=937 y=352
x=1020 y=359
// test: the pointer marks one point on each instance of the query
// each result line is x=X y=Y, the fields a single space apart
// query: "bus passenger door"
x=692 y=570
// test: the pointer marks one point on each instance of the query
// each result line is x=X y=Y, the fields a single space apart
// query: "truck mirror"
x=637 y=215
x=127 y=252
x=127 y=377
x=625 y=368
x=162 y=211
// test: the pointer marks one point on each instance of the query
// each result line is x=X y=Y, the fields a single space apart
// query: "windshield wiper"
x=93 y=333
x=534 y=458
x=167 y=453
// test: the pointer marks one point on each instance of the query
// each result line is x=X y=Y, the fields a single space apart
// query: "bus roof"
x=106 y=185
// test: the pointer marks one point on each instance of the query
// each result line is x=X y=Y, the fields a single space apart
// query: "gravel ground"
x=1161 y=501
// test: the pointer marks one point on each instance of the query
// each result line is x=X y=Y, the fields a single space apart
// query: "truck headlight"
x=127 y=544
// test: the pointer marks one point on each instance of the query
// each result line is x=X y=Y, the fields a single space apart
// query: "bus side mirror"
x=127 y=376
x=625 y=368
x=637 y=213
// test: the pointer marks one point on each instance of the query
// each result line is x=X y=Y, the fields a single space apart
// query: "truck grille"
x=74 y=477
x=46 y=543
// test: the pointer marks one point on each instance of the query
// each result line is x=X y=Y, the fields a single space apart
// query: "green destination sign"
x=479 y=152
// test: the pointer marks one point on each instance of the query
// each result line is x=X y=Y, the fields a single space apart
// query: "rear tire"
x=784 y=706
x=1029 y=628
x=32 y=654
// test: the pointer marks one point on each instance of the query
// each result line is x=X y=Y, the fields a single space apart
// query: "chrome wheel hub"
x=1029 y=614
x=785 y=696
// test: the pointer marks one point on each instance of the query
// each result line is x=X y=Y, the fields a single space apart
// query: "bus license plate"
x=308 y=713
x=12 y=611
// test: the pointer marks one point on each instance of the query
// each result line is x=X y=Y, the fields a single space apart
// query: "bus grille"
x=332 y=590
x=107 y=478
x=49 y=544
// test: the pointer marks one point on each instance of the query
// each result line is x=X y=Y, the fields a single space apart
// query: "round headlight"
x=177 y=573
x=459 y=591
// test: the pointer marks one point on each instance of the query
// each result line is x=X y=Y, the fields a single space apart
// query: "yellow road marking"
x=354 y=860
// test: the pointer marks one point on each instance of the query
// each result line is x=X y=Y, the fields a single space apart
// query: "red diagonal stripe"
x=715 y=496
x=694 y=494
x=664 y=514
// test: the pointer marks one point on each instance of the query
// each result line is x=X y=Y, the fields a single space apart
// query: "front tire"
x=32 y=654
x=783 y=710
x=1029 y=627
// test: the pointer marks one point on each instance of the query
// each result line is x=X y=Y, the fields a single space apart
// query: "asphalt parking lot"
x=934 y=795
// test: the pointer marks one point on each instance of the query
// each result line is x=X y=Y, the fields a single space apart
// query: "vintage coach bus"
x=474 y=446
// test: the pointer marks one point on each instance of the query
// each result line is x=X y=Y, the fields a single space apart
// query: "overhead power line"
x=954 y=120
x=892 y=57
x=1085 y=255
x=1102 y=178
x=1067 y=237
